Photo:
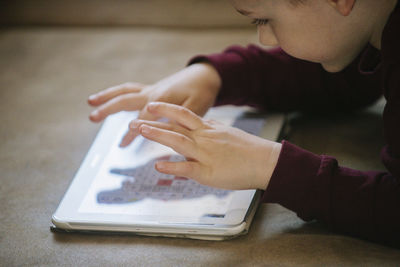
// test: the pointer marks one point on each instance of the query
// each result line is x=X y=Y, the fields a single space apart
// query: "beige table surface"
x=46 y=75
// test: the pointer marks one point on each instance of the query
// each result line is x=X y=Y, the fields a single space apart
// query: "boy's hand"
x=194 y=87
x=217 y=155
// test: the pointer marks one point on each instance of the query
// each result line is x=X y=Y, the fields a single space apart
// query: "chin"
x=332 y=67
x=315 y=57
x=302 y=54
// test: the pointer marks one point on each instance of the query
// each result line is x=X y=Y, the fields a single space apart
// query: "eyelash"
x=259 y=22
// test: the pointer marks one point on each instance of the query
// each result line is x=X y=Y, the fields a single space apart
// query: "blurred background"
x=173 y=13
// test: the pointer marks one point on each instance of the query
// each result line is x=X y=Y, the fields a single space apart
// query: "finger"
x=145 y=115
x=177 y=141
x=132 y=133
x=110 y=93
x=189 y=169
x=129 y=136
x=135 y=125
x=180 y=114
x=119 y=103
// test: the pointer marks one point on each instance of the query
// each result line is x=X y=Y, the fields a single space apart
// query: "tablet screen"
x=128 y=183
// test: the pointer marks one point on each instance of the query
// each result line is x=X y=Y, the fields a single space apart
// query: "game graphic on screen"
x=145 y=181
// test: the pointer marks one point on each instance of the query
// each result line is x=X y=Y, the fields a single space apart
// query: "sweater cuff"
x=292 y=179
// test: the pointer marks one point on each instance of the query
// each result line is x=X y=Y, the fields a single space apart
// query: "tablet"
x=118 y=190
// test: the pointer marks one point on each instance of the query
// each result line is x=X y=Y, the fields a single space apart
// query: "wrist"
x=270 y=164
x=209 y=75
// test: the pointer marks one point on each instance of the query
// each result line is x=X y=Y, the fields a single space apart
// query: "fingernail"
x=160 y=166
x=95 y=113
x=92 y=97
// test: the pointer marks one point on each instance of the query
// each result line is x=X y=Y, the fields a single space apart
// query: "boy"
x=332 y=55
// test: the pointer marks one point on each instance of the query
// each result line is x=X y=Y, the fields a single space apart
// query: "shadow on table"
x=293 y=244
x=355 y=139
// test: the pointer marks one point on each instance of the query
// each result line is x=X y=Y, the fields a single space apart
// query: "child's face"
x=313 y=30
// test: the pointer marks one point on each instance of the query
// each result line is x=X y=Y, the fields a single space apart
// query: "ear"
x=344 y=7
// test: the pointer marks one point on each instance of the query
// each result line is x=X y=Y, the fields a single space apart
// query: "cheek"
x=304 y=44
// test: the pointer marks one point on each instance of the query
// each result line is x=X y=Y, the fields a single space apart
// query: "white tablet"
x=118 y=189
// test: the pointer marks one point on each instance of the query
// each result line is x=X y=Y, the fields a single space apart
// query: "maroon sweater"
x=360 y=203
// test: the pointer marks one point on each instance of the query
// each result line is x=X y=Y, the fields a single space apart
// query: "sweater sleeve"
x=273 y=80
x=359 y=203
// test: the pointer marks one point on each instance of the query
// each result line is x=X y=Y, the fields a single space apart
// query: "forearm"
x=271 y=79
x=362 y=204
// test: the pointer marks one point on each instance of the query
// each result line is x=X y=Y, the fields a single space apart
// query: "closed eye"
x=259 y=22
